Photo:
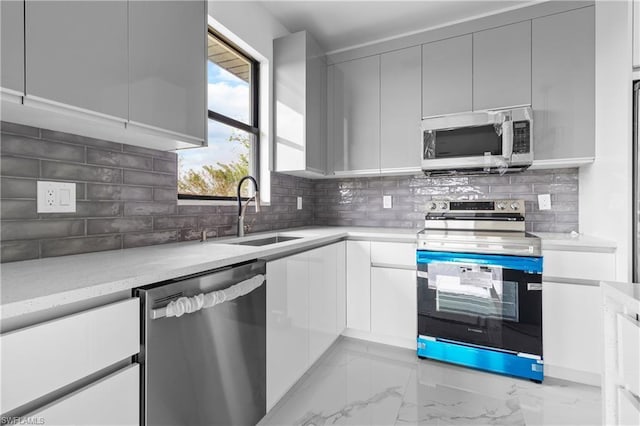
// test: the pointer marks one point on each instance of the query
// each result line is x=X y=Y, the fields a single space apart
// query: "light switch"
x=386 y=202
x=299 y=203
x=56 y=197
x=65 y=196
x=544 y=202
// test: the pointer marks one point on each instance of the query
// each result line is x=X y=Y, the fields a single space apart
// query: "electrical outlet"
x=386 y=202
x=299 y=203
x=56 y=197
x=544 y=202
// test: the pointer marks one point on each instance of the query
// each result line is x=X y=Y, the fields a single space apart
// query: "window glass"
x=229 y=82
x=213 y=172
x=216 y=169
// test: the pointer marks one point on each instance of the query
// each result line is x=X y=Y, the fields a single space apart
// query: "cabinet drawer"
x=113 y=400
x=40 y=359
x=393 y=254
x=579 y=265
x=629 y=353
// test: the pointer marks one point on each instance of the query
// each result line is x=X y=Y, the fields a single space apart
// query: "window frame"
x=253 y=128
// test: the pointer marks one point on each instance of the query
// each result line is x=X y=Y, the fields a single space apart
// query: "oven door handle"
x=188 y=305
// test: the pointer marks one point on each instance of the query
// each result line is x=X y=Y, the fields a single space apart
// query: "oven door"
x=491 y=301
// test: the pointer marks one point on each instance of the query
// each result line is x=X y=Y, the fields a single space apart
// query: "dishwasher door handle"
x=188 y=305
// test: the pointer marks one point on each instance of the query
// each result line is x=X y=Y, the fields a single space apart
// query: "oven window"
x=467 y=142
x=474 y=290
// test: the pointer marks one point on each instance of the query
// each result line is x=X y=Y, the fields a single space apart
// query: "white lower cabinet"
x=287 y=324
x=304 y=313
x=572 y=331
x=359 y=285
x=41 y=359
x=113 y=400
x=394 y=304
x=323 y=316
x=381 y=292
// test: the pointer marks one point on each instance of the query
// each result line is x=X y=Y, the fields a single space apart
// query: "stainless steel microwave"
x=494 y=141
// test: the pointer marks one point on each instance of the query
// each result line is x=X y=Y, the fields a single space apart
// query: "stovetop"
x=495 y=227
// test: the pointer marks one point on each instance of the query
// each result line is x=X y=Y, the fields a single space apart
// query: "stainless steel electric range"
x=480 y=288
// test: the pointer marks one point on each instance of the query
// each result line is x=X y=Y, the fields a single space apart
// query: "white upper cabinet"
x=300 y=75
x=400 y=110
x=447 y=76
x=502 y=67
x=12 y=46
x=354 y=88
x=563 y=88
x=75 y=59
x=167 y=63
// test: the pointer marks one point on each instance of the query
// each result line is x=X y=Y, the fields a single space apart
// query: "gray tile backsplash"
x=358 y=202
x=126 y=197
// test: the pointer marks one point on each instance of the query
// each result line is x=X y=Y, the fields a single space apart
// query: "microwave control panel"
x=521 y=137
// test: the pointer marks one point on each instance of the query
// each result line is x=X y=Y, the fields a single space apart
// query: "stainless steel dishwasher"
x=207 y=367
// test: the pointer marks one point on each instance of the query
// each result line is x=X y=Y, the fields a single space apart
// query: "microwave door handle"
x=507 y=139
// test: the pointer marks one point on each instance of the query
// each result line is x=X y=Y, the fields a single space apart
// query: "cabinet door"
x=167 y=52
x=114 y=400
x=563 y=85
x=447 y=76
x=289 y=59
x=341 y=286
x=287 y=324
x=400 y=109
x=316 y=108
x=394 y=303
x=322 y=300
x=359 y=285
x=76 y=54
x=572 y=331
x=502 y=66
x=356 y=110
x=12 y=45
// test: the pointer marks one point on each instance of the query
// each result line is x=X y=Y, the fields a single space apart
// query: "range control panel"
x=476 y=206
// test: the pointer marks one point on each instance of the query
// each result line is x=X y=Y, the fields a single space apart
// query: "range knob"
x=443 y=206
x=515 y=206
x=501 y=205
x=432 y=206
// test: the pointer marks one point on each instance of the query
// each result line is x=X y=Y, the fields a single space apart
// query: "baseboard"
x=578 y=376
x=401 y=342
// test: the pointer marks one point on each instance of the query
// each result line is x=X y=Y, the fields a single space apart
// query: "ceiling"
x=338 y=25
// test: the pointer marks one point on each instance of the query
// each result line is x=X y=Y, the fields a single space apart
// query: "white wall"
x=252 y=28
x=605 y=186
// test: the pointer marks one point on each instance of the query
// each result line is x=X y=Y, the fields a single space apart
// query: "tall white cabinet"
x=400 y=110
x=300 y=78
x=305 y=313
x=563 y=87
x=354 y=88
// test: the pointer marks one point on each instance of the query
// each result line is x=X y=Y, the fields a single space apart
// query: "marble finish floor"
x=363 y=383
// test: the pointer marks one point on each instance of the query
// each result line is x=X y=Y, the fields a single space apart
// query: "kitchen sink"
x=266 y=241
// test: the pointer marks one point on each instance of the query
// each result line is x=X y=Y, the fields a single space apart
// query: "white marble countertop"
x=575 y=242
x=35 y=285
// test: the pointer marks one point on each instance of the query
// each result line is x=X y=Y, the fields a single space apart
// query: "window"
x=213 y=172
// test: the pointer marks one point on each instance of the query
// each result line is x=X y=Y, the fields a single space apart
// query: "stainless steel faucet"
x=243 y=209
